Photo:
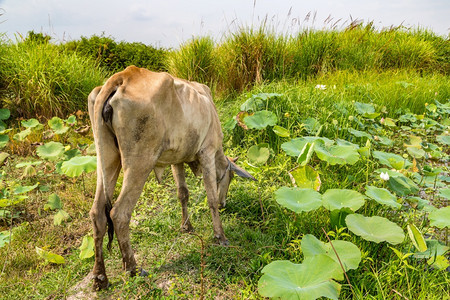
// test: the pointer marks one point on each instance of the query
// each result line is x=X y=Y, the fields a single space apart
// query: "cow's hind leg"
x=183 y=196
x=99 y=210
x=136 y=171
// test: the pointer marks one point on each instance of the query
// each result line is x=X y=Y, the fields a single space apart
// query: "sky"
x=167 y=23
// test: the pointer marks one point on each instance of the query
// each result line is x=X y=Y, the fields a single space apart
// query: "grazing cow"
x=144 y=121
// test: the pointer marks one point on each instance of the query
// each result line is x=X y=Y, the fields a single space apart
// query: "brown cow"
x=144 y=121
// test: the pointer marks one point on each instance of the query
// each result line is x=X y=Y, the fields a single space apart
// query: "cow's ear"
x=240 y=172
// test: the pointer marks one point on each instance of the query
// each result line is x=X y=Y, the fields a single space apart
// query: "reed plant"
x=195 y=60
x=39 y=79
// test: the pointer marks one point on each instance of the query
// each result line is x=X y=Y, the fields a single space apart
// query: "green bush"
x=117 y=56
x=39 y=79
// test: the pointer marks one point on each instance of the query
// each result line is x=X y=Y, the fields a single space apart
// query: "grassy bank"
x=40 y=78
x=342 y=106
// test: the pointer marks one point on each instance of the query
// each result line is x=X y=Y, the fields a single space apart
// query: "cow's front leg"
x=209 y=178
x=183 y=196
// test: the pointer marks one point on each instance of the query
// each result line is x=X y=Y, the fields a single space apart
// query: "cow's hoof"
x=222 y=241
x=143 y=273
x=187 y=228
x=100 y=282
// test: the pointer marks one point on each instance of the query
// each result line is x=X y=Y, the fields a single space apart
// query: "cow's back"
x=174 y=117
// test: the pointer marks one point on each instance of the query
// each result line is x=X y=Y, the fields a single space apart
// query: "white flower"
x=321 y=86
x=384 y=176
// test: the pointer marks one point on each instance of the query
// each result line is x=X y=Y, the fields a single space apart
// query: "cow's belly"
x=171 y=157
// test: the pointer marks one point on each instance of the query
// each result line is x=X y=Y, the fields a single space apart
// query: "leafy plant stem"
x=340 y=263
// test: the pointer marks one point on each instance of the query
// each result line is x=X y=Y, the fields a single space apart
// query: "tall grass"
x=40 y=79
x=250 y=56
x=194 y=61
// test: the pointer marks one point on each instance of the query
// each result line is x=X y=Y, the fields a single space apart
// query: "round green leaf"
x=382 y=196
x=340 y=198
x=281 y=131
x=440 y=218
x=79 y=164
x=307 y=281
x=445 y=193
x=4 y=114
x=349 y=253
x=305 y=177
x=295 y=146
x=60 y=217
x=359 y=133
x=31 y=123
x=54 y=202
x=87 y=247
x=57 y=125
x=297 y=199
x=4 y=139
x=261 y=119
x=376 y=229
x=49 y=256
x=392 y=160
x=443 y=139
x=337 y=154
x=258 y=154
x=50 y=151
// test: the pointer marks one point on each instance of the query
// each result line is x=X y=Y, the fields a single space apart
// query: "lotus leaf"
x=443 y=139
x=440 y=218
x=31 y=123
x=60 y=217
x=49 y=256
x=57 y=125
x=382 y=196
x=305 y=177
x=298 y=199
x=349 y=253
x=359 y=133
x=21 y=136
x=4 y=114
x=261 y=119
x=281 y=131
x=87 y=247
x=54 y=202
x=376 y=229
x=310 y=280
x=51 y=151
x=78 y=165
x=258 y=154
x=337 y=154
x=340 y=198
x=445 y=193
x=392 y=160
x=4 y=139
x=295 y=146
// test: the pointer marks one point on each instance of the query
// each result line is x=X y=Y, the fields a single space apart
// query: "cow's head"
x=224 y=181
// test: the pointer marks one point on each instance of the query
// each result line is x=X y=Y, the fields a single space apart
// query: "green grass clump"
x=195 y=60
x=39 y=79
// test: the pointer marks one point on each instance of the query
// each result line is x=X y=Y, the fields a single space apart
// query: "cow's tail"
x=103 y=129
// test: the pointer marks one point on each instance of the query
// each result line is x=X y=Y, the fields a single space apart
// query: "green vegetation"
x=346 y=131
